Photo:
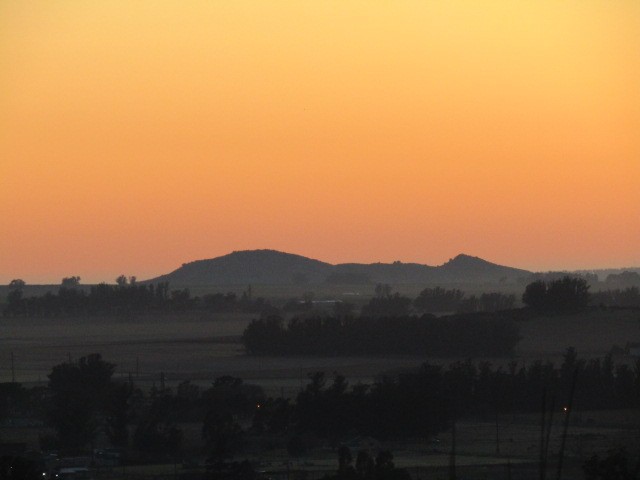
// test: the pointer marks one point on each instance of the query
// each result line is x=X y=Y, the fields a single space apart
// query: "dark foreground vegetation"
x=82 y=400
x=83 y=403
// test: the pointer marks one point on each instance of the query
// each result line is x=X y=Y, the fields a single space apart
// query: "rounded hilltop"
x=273 y=267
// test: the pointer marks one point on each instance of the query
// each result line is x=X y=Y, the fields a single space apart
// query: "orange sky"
x=135 y=136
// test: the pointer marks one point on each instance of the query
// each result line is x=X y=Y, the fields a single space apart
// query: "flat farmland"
x=201 y=348
x=183 y=347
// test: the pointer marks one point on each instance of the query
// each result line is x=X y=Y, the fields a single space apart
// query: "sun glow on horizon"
x=135 y=136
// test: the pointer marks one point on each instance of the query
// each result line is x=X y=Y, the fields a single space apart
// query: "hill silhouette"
x=250 y=266
x=476 y=269
x=271 y=267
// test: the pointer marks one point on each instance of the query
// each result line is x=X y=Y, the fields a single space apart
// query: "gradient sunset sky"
x=138 y=135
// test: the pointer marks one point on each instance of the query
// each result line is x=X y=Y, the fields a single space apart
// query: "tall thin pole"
x=549 y=427
x=566 y=423
x=497 y=434
x=452 y=458
x=543 y=425
x=13 y=369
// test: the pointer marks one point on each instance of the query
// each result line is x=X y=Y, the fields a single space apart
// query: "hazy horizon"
x=110 y=278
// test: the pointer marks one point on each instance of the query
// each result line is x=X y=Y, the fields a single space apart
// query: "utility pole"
x=543 y=425
x=13 y=369
x=452 y=458
x=497 y=434
x=568 y=409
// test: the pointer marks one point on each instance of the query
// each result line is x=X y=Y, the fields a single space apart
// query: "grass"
x=592 y=333
x=203 y=347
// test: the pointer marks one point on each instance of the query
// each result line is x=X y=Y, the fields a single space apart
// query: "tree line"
x=83 y=400
x=625 y=298
x=559 y=295
x=439 y=299
x=480 y=334
x=126 y=297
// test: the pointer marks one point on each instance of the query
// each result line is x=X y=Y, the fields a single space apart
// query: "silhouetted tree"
x=366 y=469
x=365 y=466
x=181 y=299
x=273 y=416
x=16 y=304
x=70 y=282
x=394 y=305
x=624 y=279
x=496 y=301
x=629 y=297
x=78 y=394
x=223 y=435
x=480 y=334
x=438 y=300
x=535 y=295
x=118 y=410
x=566 y=294
x=231 y=395
x=157 y=435
x=17 y=283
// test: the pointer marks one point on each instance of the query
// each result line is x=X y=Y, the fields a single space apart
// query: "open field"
x=202 y=348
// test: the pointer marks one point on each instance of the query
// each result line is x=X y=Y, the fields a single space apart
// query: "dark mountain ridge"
x=250 y=266
x=271 y=267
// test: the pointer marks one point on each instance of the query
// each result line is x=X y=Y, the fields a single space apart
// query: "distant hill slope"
x=395 y=272
x=270 y=267
x=476 y=269
x=250 y=266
